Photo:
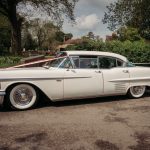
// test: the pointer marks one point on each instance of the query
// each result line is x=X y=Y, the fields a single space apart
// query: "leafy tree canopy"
x=129 y=33
x=42 y=35
x=131 y=13
x=53 y=8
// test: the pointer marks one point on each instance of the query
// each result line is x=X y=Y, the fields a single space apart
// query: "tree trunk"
x=16 y=39
x=15 y=31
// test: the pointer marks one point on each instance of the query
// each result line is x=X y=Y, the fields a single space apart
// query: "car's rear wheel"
x=22 y=96
x=136 y=91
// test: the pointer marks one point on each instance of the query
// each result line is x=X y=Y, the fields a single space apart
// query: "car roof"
x=97 y=53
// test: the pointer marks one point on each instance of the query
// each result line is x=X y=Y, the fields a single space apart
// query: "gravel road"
x=112 y=123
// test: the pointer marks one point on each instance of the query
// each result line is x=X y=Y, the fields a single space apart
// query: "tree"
x=50 y=31
x=44 y=33
x=28 y=42
x=130 y=13
x=27 y=39
x=114 y=36
x=4 y=34
x=38 y=32
x=129 y=33
x=91 y=35
x=59 y=36
x=53 y=8
x=68 y=36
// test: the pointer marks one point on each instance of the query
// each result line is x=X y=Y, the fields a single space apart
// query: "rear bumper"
x=2 y=94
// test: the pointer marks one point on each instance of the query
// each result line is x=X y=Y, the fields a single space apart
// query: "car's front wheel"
x=22 y=97
x=136 y=91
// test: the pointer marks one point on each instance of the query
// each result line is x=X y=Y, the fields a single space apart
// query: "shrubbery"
x=9 y=61
x=137 y=52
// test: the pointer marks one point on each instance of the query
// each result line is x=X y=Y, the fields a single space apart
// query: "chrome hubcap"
x=22 y=96
x=137 y=90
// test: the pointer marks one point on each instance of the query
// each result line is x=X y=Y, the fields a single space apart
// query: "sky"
x=88 y=15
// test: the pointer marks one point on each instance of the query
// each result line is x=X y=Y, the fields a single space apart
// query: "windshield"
x=54 y=63
x=61 y=54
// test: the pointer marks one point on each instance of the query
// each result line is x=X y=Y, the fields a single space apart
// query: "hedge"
x=9 y=61
x=137 y=52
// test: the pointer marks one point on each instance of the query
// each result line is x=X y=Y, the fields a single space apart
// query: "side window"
x=66 y=64
x=87 y=63
x=76 y=61
x=107 y=62
x=119 y=63
x=130 y=64
x=110 y=62
x=54 y=63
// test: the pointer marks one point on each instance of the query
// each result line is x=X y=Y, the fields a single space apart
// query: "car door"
x=114 y=74
x=83 y=81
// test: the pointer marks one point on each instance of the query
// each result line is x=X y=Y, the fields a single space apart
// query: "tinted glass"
x=88 y=63
x=107 y=62
x=119 y=63
x=130 y=64
x=66 y=64
x=55 y=62
x=76 y=61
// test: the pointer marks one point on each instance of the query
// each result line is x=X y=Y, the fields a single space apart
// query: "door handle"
x=126 y=71
x=98 y=71
x=58 y=80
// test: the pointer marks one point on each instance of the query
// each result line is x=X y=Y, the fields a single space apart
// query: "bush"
x=9 y=61
x=137 y=52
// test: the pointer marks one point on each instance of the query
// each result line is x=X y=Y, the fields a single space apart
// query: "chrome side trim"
x=131 y=79
x=2 y=93
x=26 y=79
x=120 y=87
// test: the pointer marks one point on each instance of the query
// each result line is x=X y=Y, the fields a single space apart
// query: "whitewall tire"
x=22 y=96
x=137 y=91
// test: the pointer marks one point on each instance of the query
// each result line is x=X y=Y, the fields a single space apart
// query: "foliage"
x=137 y=51
x=59 y=36
x=9 y=61
x=129 y=33
x=4 y=23
x=53 y=8
x=4 y=40
x=42 y=35
x=131 y=13
x=5 y=35
x=68 y=36
x=28 y=42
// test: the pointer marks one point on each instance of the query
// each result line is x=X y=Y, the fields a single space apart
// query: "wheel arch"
x=41 y=92
x=128 y=88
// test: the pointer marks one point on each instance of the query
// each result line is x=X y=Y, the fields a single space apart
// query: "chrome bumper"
x=2 y=94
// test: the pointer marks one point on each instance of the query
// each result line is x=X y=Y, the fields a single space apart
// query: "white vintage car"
x=73 y=75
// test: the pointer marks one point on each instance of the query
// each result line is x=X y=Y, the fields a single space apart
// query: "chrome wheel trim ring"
x=23 y=96
x=137 y=91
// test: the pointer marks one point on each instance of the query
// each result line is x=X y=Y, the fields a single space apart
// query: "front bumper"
x=2 y=94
